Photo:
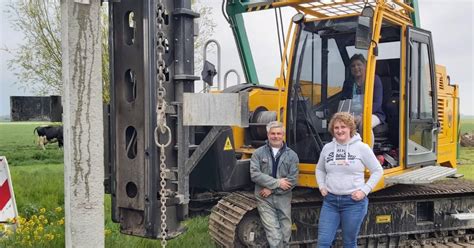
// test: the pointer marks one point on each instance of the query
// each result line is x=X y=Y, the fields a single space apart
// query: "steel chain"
x=161 y=104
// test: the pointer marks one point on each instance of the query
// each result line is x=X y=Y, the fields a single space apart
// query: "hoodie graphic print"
x=341 y=167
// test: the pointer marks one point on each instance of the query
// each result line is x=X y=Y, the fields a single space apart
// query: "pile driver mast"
x=152 y=66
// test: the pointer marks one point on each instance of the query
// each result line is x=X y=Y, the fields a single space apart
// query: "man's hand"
x=284 y=184
x=357 y=195
x=265 y=192
x=324 y=192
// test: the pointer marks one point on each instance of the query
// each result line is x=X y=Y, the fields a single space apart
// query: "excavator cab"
x=320 y=67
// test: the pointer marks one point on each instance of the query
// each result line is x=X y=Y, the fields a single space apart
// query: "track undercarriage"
x=434 y=215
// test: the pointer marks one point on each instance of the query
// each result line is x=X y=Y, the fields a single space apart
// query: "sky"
x=8 y=38
x=450 y=21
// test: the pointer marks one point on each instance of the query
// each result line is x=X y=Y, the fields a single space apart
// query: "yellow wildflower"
x=43 y=210
x=61 y=221
x=21 y=220
x=30 y=223
x=108 y=232
x=58 y=209
x=49 y=236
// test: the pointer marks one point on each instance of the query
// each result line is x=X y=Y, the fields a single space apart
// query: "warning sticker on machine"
x=228 y=145
x=8 y=210
x=381 y=219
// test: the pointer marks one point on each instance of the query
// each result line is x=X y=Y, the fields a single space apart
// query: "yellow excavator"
x=417 y=144
x=161 y=166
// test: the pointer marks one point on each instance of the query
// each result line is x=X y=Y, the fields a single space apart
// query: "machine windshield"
x=320 y=69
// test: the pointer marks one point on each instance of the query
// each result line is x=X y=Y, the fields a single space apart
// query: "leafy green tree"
x=37 y=61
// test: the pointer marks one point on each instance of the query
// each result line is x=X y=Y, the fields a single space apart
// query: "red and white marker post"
x=8 y=210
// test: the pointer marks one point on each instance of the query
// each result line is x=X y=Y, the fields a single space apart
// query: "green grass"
x=196 y=234
x=467 y=125
x=466 y=162
x=466 y=154
x=39 y=186
x=39 y=183
x=18 y=144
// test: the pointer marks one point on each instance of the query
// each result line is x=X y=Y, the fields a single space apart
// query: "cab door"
x=420 y=98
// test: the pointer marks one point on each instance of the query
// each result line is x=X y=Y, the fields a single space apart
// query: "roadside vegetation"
x=38 y=181
x=38 y=184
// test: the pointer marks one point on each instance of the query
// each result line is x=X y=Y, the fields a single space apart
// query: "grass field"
x=39 y=190
x=467 y=125
x=38 y=182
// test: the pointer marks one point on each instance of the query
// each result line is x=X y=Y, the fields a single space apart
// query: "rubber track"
x=230 y=210
x=226 y=216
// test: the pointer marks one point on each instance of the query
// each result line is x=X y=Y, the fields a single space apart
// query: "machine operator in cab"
x=274 y=170
x=353 y=88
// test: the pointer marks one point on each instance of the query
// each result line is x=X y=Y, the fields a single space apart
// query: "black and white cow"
x=49 y=134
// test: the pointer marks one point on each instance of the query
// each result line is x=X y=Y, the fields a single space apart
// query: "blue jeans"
x=341 y=211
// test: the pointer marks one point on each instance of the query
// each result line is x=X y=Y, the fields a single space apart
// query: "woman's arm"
x=376 y=170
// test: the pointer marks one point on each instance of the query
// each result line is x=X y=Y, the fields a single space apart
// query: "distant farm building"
x=36 y=108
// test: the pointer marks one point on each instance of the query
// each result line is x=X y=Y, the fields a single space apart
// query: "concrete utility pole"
x=83 y=123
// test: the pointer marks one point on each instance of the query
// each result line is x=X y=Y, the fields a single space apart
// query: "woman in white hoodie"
x=340 y=177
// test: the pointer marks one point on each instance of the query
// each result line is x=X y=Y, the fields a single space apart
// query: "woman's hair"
x=359 y=57
x=344 y=117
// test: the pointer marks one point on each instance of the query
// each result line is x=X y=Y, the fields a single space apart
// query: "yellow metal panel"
x=285 y=72
x=447 y=116
x=307 y=168
x=306 y=180
x=370 y=76
x=402 y=103
x=238 y=137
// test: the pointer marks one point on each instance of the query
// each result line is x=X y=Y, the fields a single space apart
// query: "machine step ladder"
x=423 y=175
